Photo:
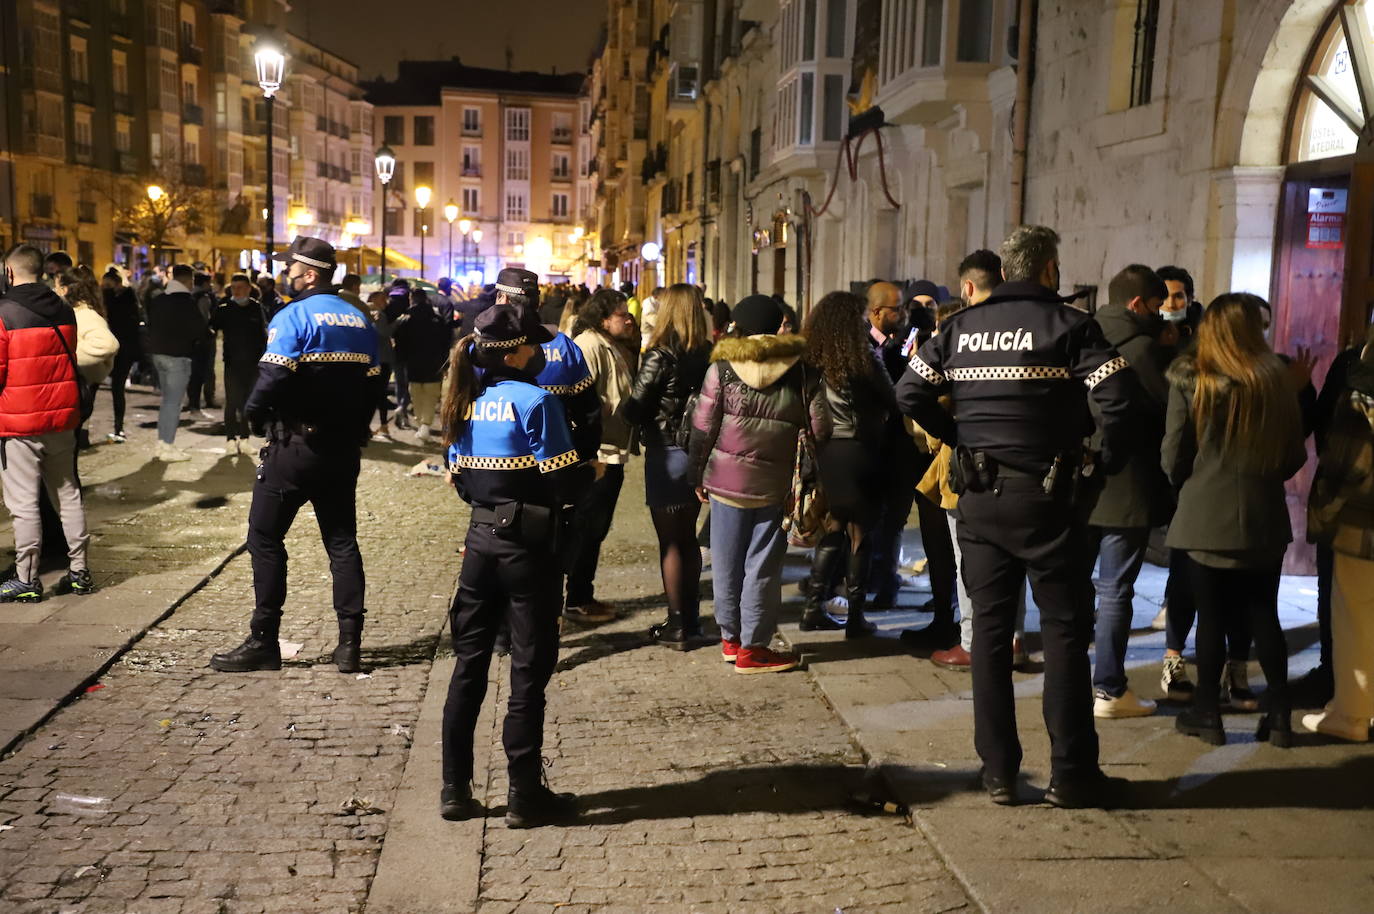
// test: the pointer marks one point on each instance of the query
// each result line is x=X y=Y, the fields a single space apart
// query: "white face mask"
x=1176 y=316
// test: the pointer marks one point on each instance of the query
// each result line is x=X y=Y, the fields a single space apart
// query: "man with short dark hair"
x=1019 y=370
x=201 y=387
x=175 y=326
x=315 y=394
x=1138 y=498
x=40 y=407
x=1179 y=311
x=350 y=290
x=239 y=318
x=55 y=263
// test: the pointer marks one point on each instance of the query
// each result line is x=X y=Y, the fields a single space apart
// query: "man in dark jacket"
x=39 y=412
x=422 y=339
x=239 y=317
x=121 y=312
x=201 y=388
x=1138 y=498
x=175 y=327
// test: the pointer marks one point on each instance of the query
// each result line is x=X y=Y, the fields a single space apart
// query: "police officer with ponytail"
x=513 y=460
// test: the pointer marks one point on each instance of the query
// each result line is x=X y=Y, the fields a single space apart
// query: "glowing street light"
x=422 y=196
x=271 y=64
x=385 y=162
x=450 y=213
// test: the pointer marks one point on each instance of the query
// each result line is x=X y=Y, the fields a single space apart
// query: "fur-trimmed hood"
x=760 y=360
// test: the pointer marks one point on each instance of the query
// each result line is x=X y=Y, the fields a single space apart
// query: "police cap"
x=505 y=326
x=514 y=281
x=313 y=252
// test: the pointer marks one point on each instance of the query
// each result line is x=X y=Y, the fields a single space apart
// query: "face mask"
x=241 y=301
x=298 y=288
x=536 y=364
x=1175 y=316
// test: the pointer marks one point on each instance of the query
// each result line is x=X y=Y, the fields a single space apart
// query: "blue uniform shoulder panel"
x=565 y=368
x=321 y=328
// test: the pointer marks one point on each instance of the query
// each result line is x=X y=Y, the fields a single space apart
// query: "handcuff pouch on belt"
x=535 y=526
x=971 y=471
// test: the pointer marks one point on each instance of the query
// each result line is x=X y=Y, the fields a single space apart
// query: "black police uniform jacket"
x=1019 y=368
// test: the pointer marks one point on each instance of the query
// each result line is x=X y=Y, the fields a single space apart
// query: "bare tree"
x=159 y=206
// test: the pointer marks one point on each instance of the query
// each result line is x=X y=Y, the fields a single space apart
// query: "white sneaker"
x=1128 y=705
x=422 y=434
x=169 y=453
x=837 y=606
x=1329 y=725
x=1161 y=619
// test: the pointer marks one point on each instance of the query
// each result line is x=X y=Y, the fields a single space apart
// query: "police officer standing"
x=316 y=390
x=514 y=461
x=1019 y=368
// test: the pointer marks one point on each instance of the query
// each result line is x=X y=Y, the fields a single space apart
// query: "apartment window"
x=191 y=149
x=562 y=127
x=123 y=138
x=561 y=165
x=422 y=222
x=188 y=25
x=472 y=160
x=515 y=238
x=518 y=125
x=835 y=24
x=808 y=35
x=119 y=71
x=974 y=43
x=170 y=81
x=424 y=130
x=188 y=92
x=394 y=220
x=394 y=130
x=932 y=35
x=832 y=108
x=1145 y=34
x=356 y=164
x=81 y=134
x=517 y=164
x=81 y=71
x=472 y=121
x=517 y=210
x=808 y=91
x=398 y=177
x=559 y=208
x=424 y=173
x=472 y=200
x=166 y=26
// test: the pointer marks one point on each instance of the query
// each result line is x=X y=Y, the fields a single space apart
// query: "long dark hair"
x=82 y=288
x=462 y=386
x=593 y=313
x=835 y=338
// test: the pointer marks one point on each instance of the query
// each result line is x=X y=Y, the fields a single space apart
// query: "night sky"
x=375 y=34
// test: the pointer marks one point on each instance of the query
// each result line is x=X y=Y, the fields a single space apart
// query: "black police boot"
x=455 y=802
x=856 y=590
x=1276 y=727
x=1205 y=725
x=348 y=653
x=824 y=563
x=258 y=652
x=1094 y=791
x=531 y=804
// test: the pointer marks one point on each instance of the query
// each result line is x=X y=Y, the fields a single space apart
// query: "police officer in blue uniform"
x=513 y=460
x=317 y=384
x=1019 y=369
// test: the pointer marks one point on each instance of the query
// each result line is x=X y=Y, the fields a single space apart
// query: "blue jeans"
x=173 y=374
x=1121 y=552
x=747 y=549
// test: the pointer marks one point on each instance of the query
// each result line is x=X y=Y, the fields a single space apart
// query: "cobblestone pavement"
x=176 y=789
x=203 y=792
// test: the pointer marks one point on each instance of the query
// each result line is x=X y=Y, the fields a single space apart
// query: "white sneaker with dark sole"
x=1126 y=705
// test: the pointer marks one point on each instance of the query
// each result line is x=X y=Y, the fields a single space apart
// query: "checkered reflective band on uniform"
x=565 y=390
x=1009 y=373
x=275 y=359
x=374 y=371
x=1106 y=371
x=360 y=357
x=566 y=459
x=918 y=365
x=523 y=462
x=509 y=290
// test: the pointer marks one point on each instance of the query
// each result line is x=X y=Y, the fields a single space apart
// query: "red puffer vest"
x=38 y=391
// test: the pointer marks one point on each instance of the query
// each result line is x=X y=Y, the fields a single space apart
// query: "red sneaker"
x=956 y=658
x=763 y=660
x=729 y=649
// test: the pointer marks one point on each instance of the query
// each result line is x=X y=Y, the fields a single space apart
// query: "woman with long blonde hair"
x=1233 y=436
x=670 y=372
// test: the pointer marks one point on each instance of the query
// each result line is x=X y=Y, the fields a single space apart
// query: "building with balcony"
x=509 y=149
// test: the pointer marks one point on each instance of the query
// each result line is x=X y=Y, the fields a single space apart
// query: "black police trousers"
x=294 y=473
x=1005 y=536
x=502 y=577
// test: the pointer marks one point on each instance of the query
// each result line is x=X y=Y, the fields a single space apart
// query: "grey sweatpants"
x=49 y=461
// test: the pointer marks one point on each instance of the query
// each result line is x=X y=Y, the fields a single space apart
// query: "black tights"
x=118 y=376
x=681 y=561
x=1221 y=593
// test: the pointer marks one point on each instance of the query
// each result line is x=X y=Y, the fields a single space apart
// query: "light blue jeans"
x=747 y=550
x=173 y=374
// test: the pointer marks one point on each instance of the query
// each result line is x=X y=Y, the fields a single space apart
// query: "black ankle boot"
x=455 y=802
x=255 y=653
x=532 y=805
x=348 y=654
x=671 y=632
x=1205 y=725
x=1276 y=728
x=825 y=562
x=856 y=590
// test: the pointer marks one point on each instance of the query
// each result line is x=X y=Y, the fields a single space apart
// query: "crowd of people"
x=1042 y=446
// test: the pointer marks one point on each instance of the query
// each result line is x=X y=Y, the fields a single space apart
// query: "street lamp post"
x=450 y=213
x=422 y=195
x=477 y=251
x=271 y=63
x=386 y=167
x=156 y=193
x=465 y=226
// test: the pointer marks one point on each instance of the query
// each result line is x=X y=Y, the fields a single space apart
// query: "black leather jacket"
x=667 y=378
x=861 y=408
